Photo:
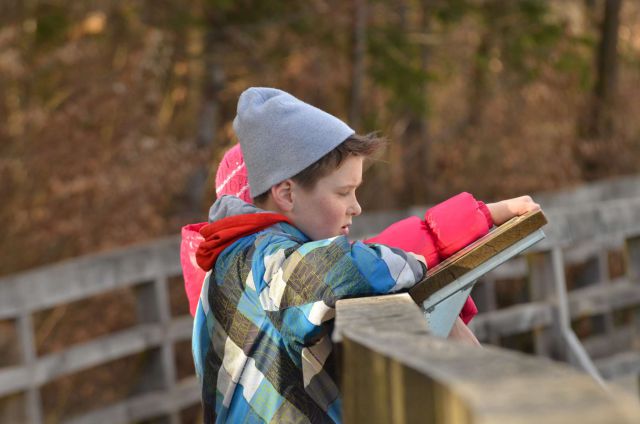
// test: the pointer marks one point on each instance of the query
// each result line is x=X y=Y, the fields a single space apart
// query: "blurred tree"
x=596 y=125
x=602 y=107
x=359 y=42
x=399 y=48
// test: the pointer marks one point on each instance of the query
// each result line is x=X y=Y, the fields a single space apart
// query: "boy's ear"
x=282 y=195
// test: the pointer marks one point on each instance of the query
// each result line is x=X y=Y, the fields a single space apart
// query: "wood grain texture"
x=476 y=253
x=395 y=372
x=389 y=313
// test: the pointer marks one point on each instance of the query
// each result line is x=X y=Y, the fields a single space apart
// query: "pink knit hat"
x=231 y=177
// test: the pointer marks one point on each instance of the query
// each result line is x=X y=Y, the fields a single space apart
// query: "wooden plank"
x=512 y=269
x=389 y=313
x=513 y=320
x=622 y=339
x=395 y=371
x=623 y=363
x=87 y=276
x=385 y=400
x=93 y=353
x=146 y=406
x=601 y=223
x=465 y=383
x=602 y=298
x=632 y=253
x=473 y=255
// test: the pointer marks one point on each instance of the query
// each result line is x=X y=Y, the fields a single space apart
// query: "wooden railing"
x=395 y=372
x=597 y=244
x=146 y=271
x=589 y=269
x=588 y=263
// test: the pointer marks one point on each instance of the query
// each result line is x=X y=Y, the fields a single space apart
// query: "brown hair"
x=356 y=145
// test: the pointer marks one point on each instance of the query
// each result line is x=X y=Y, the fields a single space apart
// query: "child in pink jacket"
x=445 y=229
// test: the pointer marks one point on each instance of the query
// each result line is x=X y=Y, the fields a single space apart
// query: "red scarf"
x=220 y=234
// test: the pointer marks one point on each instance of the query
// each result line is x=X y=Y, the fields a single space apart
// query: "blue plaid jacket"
x=262 y=331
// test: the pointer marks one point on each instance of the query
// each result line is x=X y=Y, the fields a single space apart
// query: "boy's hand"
x=462 y=333
x=504 y=210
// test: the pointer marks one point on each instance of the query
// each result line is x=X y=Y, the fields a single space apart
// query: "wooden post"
x=541 y=277
x=167 y=351
x=154 y=308
x=632 y=250
x=603 y=281
x=33 y=403
x=486 y=302
x=632 y=256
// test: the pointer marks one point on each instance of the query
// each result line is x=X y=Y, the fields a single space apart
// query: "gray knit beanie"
x=281 y=135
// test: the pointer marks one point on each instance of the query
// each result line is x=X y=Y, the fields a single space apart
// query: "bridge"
x=574 y=297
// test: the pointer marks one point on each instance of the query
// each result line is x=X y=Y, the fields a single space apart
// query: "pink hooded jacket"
x=445 y=229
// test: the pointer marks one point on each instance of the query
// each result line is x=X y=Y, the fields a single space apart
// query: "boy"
x=262 y=327
x=424 y=236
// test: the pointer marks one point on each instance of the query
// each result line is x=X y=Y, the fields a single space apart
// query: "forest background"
x=116 y=113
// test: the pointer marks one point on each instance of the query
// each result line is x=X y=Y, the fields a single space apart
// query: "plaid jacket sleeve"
x=331 y=269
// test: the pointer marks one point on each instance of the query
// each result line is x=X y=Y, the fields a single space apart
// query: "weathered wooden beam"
x=601 y=298
x=603 y=345
x=589 y=301
x=622 y=363
x=93 y=353
x=145 y=406
x=389 y=313
x=390 y=375
x=601 y=223
x=513 y=320
x=88 y=276
x=512 y=269
x=476 y=253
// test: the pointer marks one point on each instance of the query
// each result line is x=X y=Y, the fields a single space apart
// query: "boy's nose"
x=355 y=208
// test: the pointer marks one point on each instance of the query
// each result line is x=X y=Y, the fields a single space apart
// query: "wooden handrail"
x=394 y=371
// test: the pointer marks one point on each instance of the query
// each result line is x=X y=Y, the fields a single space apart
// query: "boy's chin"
x=342 y=231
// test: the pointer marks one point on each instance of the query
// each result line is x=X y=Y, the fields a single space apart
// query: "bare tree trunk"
x=359 y=37
x=213 y=81
x=479 y=82
x=416 y=155
x=596 y=124
x=480 y=85
x=601 y=113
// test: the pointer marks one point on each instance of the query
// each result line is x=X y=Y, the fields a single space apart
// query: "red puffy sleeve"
x=446 y=228
x=192 y=273
x=457 y=222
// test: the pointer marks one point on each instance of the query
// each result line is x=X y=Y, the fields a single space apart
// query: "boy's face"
x=328 y=210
